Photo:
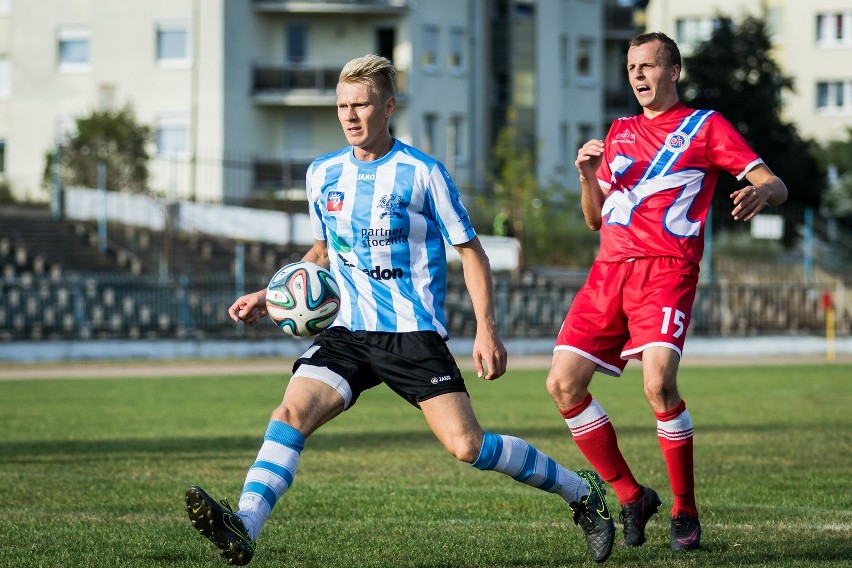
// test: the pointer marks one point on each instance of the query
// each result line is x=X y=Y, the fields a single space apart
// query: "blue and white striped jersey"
x=385 y=223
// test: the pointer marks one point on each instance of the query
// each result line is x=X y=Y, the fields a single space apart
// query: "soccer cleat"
x=634 y=517
x=686 y=533
x=218 y=523
x=592 y=514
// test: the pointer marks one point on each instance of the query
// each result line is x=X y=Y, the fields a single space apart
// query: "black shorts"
x=416 y=365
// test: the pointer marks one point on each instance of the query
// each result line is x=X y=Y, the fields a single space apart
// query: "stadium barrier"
x=105 y=306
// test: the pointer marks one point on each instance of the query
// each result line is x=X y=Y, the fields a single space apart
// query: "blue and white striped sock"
x=271 y=475
x=522 y=462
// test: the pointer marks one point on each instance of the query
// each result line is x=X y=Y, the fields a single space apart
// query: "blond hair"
x=375 y=71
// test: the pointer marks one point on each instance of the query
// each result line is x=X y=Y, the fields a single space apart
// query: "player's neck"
x=374 y=152
x=657 y=110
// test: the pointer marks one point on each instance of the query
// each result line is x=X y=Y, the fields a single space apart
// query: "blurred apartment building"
x=240 y=93
x=812 y=42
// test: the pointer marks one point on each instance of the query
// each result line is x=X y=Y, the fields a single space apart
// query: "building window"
x=5 y=77
x=429 y=59
x=456 y=55
x=834 y=29
x=430 y=128
x=2 y=157
x=834 y=97
x=74 y=50
x=172 y=44
x=584 y=60
x=584 y=134
x=565 y=155
x=297 y=43
x=455 y=138
x=775 y=25
x=172 y=137
x=564 y=59
x=689 y=32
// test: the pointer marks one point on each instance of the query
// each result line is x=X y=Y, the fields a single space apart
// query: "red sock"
x=674 y=430
x=595 y=437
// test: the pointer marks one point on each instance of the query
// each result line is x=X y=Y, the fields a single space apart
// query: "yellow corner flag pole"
x=829 y=332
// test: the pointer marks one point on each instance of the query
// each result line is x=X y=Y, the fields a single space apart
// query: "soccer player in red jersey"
x=648 y=187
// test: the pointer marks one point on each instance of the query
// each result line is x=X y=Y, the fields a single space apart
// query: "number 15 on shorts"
x=673 y=322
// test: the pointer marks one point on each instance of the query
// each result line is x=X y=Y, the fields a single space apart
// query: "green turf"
x=92 y=473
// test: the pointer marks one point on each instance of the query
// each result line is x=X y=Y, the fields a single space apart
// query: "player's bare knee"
x=565 y=392
x=284 y=413
x=464 y=449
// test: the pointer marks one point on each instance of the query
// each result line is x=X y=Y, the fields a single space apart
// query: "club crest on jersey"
x=334 y=201
x=624 y=137
x=677 y=142
x=391 y=205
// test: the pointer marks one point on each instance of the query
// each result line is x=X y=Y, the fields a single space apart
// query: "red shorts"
x=626 y=307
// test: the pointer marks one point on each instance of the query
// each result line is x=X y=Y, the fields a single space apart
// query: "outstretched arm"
x=251 y=308
x=766 y=189
x=489 y=354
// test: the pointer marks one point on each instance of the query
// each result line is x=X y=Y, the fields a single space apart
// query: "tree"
x=837 y=159
x=733 y=73
x=547 y=220
x=114 y=137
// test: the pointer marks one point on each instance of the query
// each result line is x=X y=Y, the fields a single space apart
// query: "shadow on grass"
x=21 y=452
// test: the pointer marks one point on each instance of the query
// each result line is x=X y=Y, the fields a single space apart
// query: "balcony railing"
x=302 y=85
x=386 y=7
x=275 y=175
x=280 y=79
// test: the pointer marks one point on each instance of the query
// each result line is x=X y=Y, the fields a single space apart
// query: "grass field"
x=92 y=473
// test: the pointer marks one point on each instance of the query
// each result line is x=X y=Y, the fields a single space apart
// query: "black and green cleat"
x=592 y=514
x=218 y=524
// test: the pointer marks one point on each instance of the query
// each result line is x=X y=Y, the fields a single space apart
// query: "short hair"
x=670 y=52
x=375 y=71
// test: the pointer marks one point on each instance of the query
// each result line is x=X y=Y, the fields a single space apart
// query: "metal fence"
x=80 y=306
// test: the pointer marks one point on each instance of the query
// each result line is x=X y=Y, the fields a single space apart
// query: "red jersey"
x=660 y=174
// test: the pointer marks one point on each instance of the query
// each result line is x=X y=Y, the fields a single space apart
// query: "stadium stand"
x=55 y=283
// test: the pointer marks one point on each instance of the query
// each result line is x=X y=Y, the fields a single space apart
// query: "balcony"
x=297 y=86
x=302 y=86
x=273 y=175
x=377 y=7
x=619 y=22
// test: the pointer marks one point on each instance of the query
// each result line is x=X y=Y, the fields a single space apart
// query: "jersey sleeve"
x=728 y=150
x=450 y=214
x=314 y=212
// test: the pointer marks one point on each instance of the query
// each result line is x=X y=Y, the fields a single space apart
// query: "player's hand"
x=589 y=158
x=249 y=308
x=748 y=202
x=489 y=356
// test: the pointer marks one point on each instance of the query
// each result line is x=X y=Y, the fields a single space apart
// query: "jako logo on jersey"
x=441 y=379
x=366 y=177
x=677 y=142
x=391 y=203
x=334 y=201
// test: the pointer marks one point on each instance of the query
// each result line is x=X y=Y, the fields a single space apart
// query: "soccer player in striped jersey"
x=648 y=187
x=380 y=212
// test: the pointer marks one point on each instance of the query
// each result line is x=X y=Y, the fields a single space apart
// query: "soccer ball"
x=302 y=299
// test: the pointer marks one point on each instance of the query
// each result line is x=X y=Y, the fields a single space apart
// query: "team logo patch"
x=677 y=142
x=624 y=137
x=391 y=205
x=334 y=201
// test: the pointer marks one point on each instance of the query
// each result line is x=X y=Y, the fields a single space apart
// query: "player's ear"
x=390 y=107
x=676 y=73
